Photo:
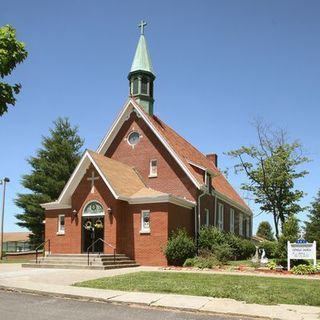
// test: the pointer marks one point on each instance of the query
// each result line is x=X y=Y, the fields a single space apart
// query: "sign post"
x=302 y=250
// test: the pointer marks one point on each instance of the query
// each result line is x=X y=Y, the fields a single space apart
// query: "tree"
x=272 y=168
x=312 y=228
x=12 y=52
x=290 y=233
x=51 y=168
x=265 y=231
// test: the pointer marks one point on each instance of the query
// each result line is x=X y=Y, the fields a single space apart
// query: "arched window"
x=93 y=208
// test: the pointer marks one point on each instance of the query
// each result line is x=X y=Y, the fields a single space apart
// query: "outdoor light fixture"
x=109 y=210
x=74 y=213
x=4 y=181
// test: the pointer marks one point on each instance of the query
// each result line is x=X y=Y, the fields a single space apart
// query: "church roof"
x=142 y=60
x=188 y=153
x=123 y=179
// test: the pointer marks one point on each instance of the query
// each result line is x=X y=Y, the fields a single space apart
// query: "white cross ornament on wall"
x=92 y=179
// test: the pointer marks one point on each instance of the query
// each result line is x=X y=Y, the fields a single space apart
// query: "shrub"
x=179 y=248
x=272 y=265
x=202 y=262
x=247 y=249
x=210 y=237
x=235 y=243
x=304 y=269
x=223 y=252
x=293 y=263
x=270 y=248
x=189 y=262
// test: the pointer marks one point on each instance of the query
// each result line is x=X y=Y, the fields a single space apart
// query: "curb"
x=140 y=304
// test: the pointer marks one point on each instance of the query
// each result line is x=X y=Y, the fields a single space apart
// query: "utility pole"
x=4 y=182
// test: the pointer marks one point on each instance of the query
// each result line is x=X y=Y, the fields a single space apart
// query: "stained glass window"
x=93 y=208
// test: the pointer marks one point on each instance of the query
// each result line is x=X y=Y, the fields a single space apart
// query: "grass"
x=252 y=289
x=15 y=261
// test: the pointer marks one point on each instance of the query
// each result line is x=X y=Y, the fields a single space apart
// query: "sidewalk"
x=58 y=283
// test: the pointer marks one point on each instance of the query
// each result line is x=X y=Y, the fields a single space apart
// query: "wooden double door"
x=92 y=229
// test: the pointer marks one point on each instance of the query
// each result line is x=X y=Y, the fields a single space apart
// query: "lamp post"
x=4 y=182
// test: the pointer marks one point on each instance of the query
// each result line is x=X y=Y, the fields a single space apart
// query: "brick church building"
x=143 y=182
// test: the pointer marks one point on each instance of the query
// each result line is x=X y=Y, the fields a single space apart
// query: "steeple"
x=141 y=75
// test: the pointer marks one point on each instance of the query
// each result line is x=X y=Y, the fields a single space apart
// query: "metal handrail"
x=42 y=244
x=108 y=244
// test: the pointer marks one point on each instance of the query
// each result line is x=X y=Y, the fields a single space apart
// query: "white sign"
x=302 y=251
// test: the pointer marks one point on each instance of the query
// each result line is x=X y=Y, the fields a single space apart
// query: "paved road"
x=18 y=306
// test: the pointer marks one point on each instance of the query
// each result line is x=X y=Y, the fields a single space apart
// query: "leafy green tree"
x=290 y=232
x=272 y=168
x=51 y=168
x=12 y=52
x=312 y=228
x=265 y=231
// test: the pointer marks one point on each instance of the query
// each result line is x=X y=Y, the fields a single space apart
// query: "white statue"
x=264 y=260
x=255 y=258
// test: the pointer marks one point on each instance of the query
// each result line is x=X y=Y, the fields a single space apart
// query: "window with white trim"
x=61 y=219
x=241 y=224
x=248 y=227
x=206 y=212
x=231 y=220
x=153 y=168
x=220 y=216
x=145 y=221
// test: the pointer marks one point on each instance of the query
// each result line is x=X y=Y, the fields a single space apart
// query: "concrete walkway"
x=58 y=283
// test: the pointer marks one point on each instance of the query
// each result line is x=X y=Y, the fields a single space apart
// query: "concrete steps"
x=80 y=261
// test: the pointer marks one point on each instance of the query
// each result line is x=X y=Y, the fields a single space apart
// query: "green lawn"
x=14 y=261
x=251 y=289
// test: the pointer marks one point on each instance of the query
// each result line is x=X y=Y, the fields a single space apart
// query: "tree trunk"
x=276 y=225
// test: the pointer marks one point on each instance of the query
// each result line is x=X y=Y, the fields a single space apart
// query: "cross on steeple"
x=141 y=25
x=92 y=179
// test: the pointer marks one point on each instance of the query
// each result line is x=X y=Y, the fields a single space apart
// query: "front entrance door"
x=92 y=229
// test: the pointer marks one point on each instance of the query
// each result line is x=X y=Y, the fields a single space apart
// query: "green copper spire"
x=142 y=60
x=141 y=75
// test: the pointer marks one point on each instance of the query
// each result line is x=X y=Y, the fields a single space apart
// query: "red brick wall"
x=67 y=243
x=171 y=178
x=180 y=217
x=146 y=249
x=207 y=202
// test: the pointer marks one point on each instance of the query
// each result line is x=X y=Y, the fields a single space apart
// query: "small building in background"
x=16 y=242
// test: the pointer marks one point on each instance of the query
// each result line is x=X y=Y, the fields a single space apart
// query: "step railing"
x=108 y=244
x=42 y=245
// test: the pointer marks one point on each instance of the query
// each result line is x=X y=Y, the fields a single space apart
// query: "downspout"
x=215 y=209
x=199 y=216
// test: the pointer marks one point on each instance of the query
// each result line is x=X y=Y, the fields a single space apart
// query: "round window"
x=133 y=138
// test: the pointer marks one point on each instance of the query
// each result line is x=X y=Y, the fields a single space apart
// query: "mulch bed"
x=240 y=269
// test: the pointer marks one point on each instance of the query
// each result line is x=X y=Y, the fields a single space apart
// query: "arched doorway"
x=92 y=226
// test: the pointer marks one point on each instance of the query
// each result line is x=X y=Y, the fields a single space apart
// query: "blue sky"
x=219 y=65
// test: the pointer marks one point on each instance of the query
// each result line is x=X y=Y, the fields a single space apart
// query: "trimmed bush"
x=201 y=262
x=210 y=237
x=270 y=248
x=248 y=249
x=179 y=248
x=236 y=248
x=223 y=253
